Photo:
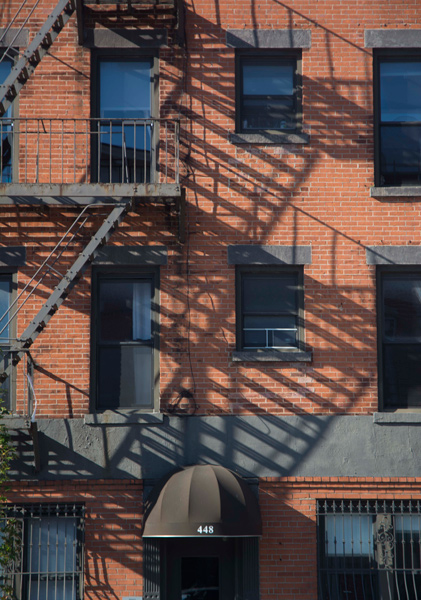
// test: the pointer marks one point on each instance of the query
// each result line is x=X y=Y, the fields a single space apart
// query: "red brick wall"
x=314 y=194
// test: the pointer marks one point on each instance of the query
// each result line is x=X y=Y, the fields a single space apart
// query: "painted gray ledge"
x=393 y=255
x=270 y=356
x=253 y=254
x=19 y=38
x=408 y=191
x=132 y=255
x=129 y=417
x=268 y=138
x=397 y=418
x=392 y=38
x=125 y=38
x=268 y=38
x=261 y=445
x=12 y=256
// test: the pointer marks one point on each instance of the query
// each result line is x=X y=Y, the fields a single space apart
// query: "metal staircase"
x=35 y=52
x=17 y=350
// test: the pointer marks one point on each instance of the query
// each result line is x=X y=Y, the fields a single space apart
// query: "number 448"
x=205 y=529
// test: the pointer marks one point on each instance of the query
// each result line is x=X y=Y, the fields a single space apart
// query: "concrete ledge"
x=268 y=38
x=268 y=138
x=253 y=254
x=397 y=418
x=271 y=356
x=125 y=38
x=113 y=417
x=15 y=423
x=393 y=192
x=131 y=255
x=12 y=256
x=393 y=255
x=392 y=38
x=21 y=41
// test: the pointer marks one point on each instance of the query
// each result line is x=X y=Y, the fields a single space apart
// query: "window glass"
x=125 y=89
x=5 y=291
x=400 y=84
x=125 y=310
x=269 y=309
x=6 y=130
x=270 y=80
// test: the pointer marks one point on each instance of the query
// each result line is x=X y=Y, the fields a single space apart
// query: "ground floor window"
x=369 y=549
x=48 y=561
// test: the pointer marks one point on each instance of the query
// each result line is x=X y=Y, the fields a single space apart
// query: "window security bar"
x=69 y=151
x=369 y=549
x=48 y=558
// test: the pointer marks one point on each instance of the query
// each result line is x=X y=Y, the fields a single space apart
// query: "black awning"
x=200 y=501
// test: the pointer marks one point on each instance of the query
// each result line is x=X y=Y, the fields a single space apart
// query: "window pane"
x=125 y=310
x=402 y=308
x=52 y=545
x=270 y=331
x=270 y=294
x=268 y=113
x=400 y=154
x=125 y=89
x=349 y=535
x=6 y=130
x=268 y=79
x=125 y=377
x=402 y=375
x=400 y=91
x=5 y=291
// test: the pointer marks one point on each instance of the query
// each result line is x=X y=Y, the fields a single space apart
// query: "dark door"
x=200 y=569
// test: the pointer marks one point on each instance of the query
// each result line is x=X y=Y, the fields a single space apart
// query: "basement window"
x=369 y=549
x=47 y=562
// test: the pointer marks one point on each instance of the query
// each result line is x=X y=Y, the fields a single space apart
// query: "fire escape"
x=111 y=164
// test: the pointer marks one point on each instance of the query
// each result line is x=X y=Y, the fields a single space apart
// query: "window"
x=269 y=308
x=399 y=313
x=6 y=130
x=6 y=287
x=369 y=549
x=50 y=563
x=398 y=118
x=268 y=92
x=123 y=129
x=126 y=333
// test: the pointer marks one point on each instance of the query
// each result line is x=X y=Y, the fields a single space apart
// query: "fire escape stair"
x=35 y=52
x=62 y=290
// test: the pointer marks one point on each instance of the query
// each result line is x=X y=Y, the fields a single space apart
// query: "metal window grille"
x=48 y=564
x=369 y=549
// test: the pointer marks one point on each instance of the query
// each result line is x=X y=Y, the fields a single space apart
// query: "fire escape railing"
x=72 y=151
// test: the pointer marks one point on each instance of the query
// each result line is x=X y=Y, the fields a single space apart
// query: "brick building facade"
x=217 y=206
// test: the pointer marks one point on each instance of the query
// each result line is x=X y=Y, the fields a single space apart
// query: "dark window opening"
x=125 y=337
x=400 y=339
x=268 y=92
x=269 y=309
x=123 y=131
x=398 y=118
x=6 y=130
x=6 y=286
x=369 y=549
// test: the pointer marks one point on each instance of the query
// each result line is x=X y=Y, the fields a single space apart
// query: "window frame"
x=122 y=273
x=387 y=55
x=260 y=270
x=127 y=55
x=284 y=56
x=11 y=275
x=402 y=271
x=25 y=515
x=14 y=113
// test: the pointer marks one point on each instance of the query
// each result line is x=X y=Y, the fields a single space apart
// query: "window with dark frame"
x=50 y=550
x=123 y=147
x=125 y=326
x=369 y=549
x=399 y=314
x=270 y=308
x=6 y=129
x=268 y=91
x=398 y=117
x=6 y=287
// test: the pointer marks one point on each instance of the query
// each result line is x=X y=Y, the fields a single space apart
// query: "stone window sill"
x=393 y=192
x=271 y=356
x=265 y=138
x=410 y=416
x=124 y=417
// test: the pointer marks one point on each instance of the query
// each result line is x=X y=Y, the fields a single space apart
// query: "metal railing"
x=69 y=151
